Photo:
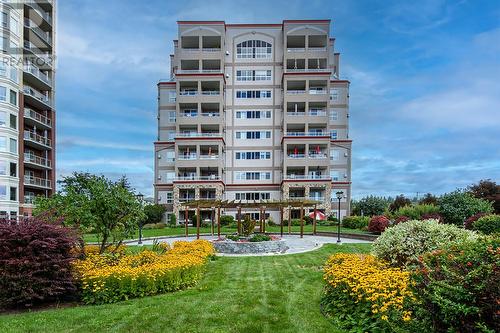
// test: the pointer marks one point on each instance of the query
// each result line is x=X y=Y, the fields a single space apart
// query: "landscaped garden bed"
x=256 y=243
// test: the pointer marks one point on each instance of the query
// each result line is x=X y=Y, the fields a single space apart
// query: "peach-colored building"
x=253 y=112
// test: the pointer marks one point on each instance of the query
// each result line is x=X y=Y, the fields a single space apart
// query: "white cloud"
x=66 y=141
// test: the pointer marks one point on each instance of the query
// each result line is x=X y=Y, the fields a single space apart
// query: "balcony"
x=316 y=155
x=40 y=78
x=29 y=199
x=295 y=92
x=40 y=11
x=198 y=71
x=37 y=182
x=318 y=91
x=37 y=161
x=43 y=35
x=314 y=133
x=188 y=92
x=296 y=155
x=198 y=135
x=197 y=178
x=209 y=157
x=306 y=177
x=317 y=112
x=37 y=119
x=37 y=98
x=187 y=156
x=37 y=140
x=210 y=92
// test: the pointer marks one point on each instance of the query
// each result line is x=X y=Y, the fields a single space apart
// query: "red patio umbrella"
x=319 y=215
x=295 y=151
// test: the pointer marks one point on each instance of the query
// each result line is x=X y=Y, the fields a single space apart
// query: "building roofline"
x=165 y=83
x=307 y=21
x=201 y=22
x=236 y=25
x=340 y=81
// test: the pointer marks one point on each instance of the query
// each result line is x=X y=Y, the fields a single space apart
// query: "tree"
x=428 y=199
x=457 y=206
x=94 y=204
x=399 y=202
x=154 y=213
x=488 y=190
x=370 y=206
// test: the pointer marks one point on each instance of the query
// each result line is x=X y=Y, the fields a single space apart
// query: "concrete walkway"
x=294 y=242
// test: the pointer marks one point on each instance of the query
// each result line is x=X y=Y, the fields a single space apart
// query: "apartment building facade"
x=27 y=114
x=253 y=112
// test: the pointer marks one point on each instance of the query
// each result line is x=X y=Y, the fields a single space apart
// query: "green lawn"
x=225 y=230
x=245 y=294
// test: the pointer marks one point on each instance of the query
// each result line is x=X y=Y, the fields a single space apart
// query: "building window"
x=171 y=96
x=13 y=215
x=170 y=176
x=253 y=175
x=3 y=168
x=13 y=169
x=13 y=121
x=253 y=94
x=13 y=97
x=14 y=26
x=2 y=118
x=253 y=135
x=13 y=194
x=251 y=75
x=3 y=94
x=333 y=134
x=3 y=192
x=170 y=197
x=253 y=155
x=171 y=135
x=4 y=19
x=13 y=74
x=253 y=196
x=334 y=115
x=335 y=175
x=13 y=146
x=253 y=114
x=334 y=95
x=334 y=155
x=170 y=156
x=3 y=69
x=171 y=116
x=254 y=49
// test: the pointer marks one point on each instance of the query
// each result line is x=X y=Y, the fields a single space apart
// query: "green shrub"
x=233 y=237
x=402 y=244
x=328 y=222
x=488 y=224
x=173 y=220
x=456 y=207
x=295 y=222
x=247 y=226
x=226 y=220
x=355 y=222
x=154 y=226
x=416 y=212
x=459 y=287
x=370 y=206
x=259 y=238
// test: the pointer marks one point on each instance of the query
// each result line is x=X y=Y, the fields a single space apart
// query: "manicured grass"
x=244 y=294
x=226 y=230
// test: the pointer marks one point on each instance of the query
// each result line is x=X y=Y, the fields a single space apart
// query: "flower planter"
x=232 y=247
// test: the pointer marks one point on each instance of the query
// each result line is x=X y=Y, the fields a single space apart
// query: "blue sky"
x=425 y=88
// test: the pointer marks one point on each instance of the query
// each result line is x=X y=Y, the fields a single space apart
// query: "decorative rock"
x=228 y=246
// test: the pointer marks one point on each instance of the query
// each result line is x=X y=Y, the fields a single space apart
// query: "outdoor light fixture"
x=340 y=195
x=140 y=198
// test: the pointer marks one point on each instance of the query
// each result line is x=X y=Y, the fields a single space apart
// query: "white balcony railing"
x=36 y=7
x=188 y=92
x=211 y=49
x=307 y=134
x=318 y=155
x=30 y=136
x=196 y=71
x=307 y=177
x=316 y=198
x=197 y=135
x=28 y=113
x=32 y=158
x=35 y=71
x=189 y=114
x=36 y=181
x=296 y=49
x=195 y=178
x=37 y=95
x=210 y=114
x=211 y=92
x=296 y=155
x=300 y=70
x=317 y=91
x=44 y=35
x=317 y=112
x=209 y=157
x=316 y=49
x=296 y=114
x=185 y=156
x=295 y=92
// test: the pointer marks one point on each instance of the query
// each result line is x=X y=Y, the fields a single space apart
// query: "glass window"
x=13 y=97
x=170 y=176
x=13 y=146
x=170 y=156
x=334 y=155
x=3 y=168
x=171 y=96
x=333 y=134
x=171 y=116
x=3 y=192
x=13 y=121
x=14 y=74
x=334 y=95
x=171 y=135
x=13 y=169
x=13 y=193
x=2 y=118
x=335 y=175
x=14 y=25
x=170 y=197
x=253 y=49
x=4 y=19
x=334 y=115
x=3 y=69
x=3 y=143
x=3 y=94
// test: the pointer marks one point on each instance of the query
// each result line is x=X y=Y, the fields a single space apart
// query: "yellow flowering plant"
x=106 y=279
x=363 y=293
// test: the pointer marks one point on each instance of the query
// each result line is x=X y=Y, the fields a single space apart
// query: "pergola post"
x=239 y=220
x=186 y=221
x=264 y=218
x=198 y=222
x=314 y=221
x=260 y=220
x=301 y=221
x=281 y=221
x=218 y=222
x=289 y=220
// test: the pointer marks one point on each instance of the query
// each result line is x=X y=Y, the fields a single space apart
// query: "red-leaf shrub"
x=401 y=219
x=378 y=224
x=470 y=221
x=432 y=216
x=35 y=263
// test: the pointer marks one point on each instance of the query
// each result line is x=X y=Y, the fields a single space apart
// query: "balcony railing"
x=36 y=7
x=316 y=198
x=211 y=92
x=189 y=114
x=183 y=156
x=295 y=92
x=296 y=155
x=37 y=95
x=195 y=71
x=37 y=138
x=296 y=113
x=195 y=178
x=323 y=48
x=317 y=91
x=307 y=134
x=317 y=112
x=45 y=36
x=296 y=49
x=29 y=199
x=28 y=113
x=35 y=71
x=318 y=155
x=205 y=49
x=36 y=181
x=197 y=135
x=299 y=70
x=43 y=56
x=209 y=157
x=31 y=158
x=188 y=92
x=307 y=177
x=210 y=114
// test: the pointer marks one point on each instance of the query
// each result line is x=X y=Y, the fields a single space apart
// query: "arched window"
x=253 y=49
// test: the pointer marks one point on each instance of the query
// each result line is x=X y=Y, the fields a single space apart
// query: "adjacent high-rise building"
x=27 y=114
x=253 y=112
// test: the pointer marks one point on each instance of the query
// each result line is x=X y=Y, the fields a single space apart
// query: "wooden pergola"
x=238 y=205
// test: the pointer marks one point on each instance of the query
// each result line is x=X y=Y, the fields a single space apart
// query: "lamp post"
x=340 y=195
x=140 y=198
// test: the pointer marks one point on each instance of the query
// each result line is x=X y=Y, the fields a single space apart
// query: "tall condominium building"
x=253 y=112
x=27 y=115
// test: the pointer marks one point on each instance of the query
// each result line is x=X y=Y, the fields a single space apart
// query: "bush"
x=470 y=221
x=154 y=213
x=416 y=212
x=402 y=244
x=142 y=274
x=370 y=206
x=401 y=219
x=154 y=226
x=399 y=202
x=295 y=222
x=489 y=224
x=355 y=222
x=456 y=207
x=247 y=226
x=329 y=222
x=226 y=220
x=173 y=220
x=432 y=216
x=378 y=224
x=459 y=287
x=35 y=263
x=362 y=294
x=259 y=238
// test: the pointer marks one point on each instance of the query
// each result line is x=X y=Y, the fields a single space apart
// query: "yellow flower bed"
x=108 y=278
x=361 y=283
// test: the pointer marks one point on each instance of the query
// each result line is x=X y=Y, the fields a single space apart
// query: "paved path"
x=294 y=242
